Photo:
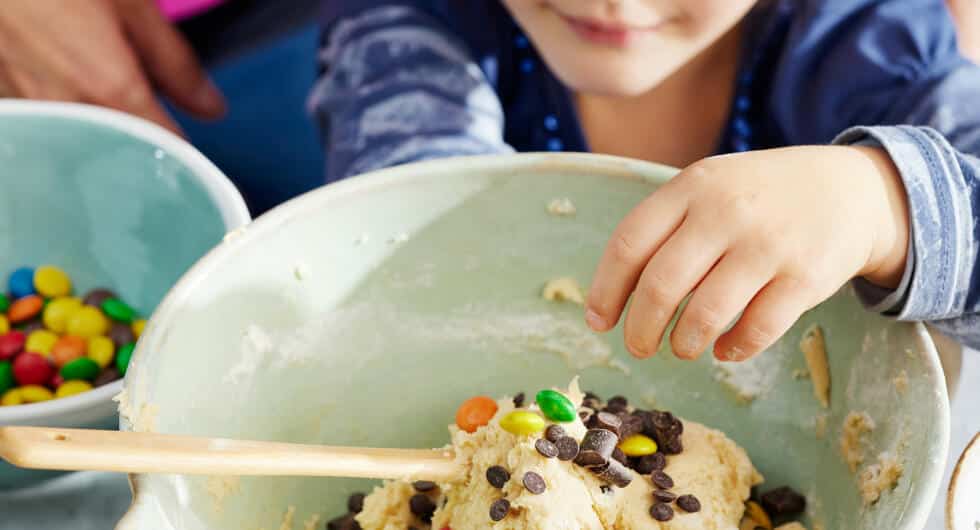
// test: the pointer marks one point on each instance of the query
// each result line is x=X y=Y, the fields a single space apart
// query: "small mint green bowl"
x=113 y=200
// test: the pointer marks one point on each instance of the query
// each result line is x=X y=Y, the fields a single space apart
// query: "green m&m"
x=123 y=356
x=82 y=368
x=118 y=310
x=6 y=376
x=555 y=406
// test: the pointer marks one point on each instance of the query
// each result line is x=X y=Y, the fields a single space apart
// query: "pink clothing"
x=181 y=9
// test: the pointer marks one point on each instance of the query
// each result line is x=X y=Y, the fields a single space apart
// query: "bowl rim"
x=226 y=198
x=972 y=451
x=612 y=166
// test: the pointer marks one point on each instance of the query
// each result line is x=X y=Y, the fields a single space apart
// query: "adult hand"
x=114 y=53
x=756 y=238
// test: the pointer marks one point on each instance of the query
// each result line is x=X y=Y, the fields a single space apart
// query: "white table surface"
x=95 y=501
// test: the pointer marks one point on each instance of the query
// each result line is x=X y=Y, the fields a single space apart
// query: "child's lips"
x=607 y=33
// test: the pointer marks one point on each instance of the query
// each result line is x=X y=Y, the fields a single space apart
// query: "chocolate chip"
x=497 y=476
x=783 y=501
x=673 y=446
x=499 y=509
x=662 y=480
x=608 y=421
x=95 y=297
x=619 y=456
x=345 y=522
x=546 y=448
x=567 y=448
x=663 y=496
x=121 y=334
x=553 y=433
x=614 y=473
x=422 y=506
x=593 y=396
x=597 y=447
x=519 y=400
x=665 y=429
x=355 y=503
x=107 y=376
x=632 y=424
x=423 y=485
x=617 y=403
x=662 y=512
x=534 y=483
x=689 y=503
x=663 y=420
x=650 y=463
x=31 y=327
x=593 y=404
x=584 y=415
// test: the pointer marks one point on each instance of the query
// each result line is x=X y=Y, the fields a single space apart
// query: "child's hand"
x=771 y=233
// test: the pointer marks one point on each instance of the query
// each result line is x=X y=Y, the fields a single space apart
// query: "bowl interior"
x=82 y=189
x=110 y=209
x=366 y=312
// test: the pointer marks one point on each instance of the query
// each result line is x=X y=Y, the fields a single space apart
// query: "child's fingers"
x=668 y=277
x=629 y=249
x=725 y=292
x=770 y=314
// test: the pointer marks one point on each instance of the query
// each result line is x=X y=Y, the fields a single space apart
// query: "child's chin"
x=611 y=83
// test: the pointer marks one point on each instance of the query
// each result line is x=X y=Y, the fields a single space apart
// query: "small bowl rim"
x=226 y=198
x=972 y=448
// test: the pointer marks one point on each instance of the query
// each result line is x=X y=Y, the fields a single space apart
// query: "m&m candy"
x=50 y=281
x=20 y=283
x=55 y=344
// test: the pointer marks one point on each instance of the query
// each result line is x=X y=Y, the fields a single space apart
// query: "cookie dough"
x=815 y=351
x=561 y=206
x=711 y=467
x=879 y=477
x=857 y=425
x=563 y=289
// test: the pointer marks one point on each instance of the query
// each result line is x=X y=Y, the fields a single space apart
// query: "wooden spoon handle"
x=132 y=452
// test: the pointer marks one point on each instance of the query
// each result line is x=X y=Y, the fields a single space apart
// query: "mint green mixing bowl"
x=365 y=312
x=114 y=201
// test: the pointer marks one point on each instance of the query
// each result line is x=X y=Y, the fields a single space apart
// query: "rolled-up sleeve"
x=936 y=155
x=397 y=87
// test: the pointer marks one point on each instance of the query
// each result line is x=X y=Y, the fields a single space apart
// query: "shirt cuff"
x=929 y=286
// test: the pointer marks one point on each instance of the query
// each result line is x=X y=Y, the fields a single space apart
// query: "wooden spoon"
x=137 y=452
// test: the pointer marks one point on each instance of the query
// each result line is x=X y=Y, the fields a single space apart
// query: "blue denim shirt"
x=406 y=80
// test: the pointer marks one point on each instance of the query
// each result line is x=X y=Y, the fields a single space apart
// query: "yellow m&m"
x=11 y=397
x=35 y=394
x=51 y=281
x=638 y=445
x=88 y=322
x=522 y=423
x=58 y=311
x=41 y=341
x=138 y=326
x=101 y=350
x=73 y=387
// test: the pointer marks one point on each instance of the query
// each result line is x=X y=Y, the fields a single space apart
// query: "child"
x=891 y=198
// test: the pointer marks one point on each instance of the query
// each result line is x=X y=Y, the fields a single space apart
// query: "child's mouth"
x=605 y=33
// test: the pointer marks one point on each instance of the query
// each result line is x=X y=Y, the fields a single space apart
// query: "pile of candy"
x=54 y=345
